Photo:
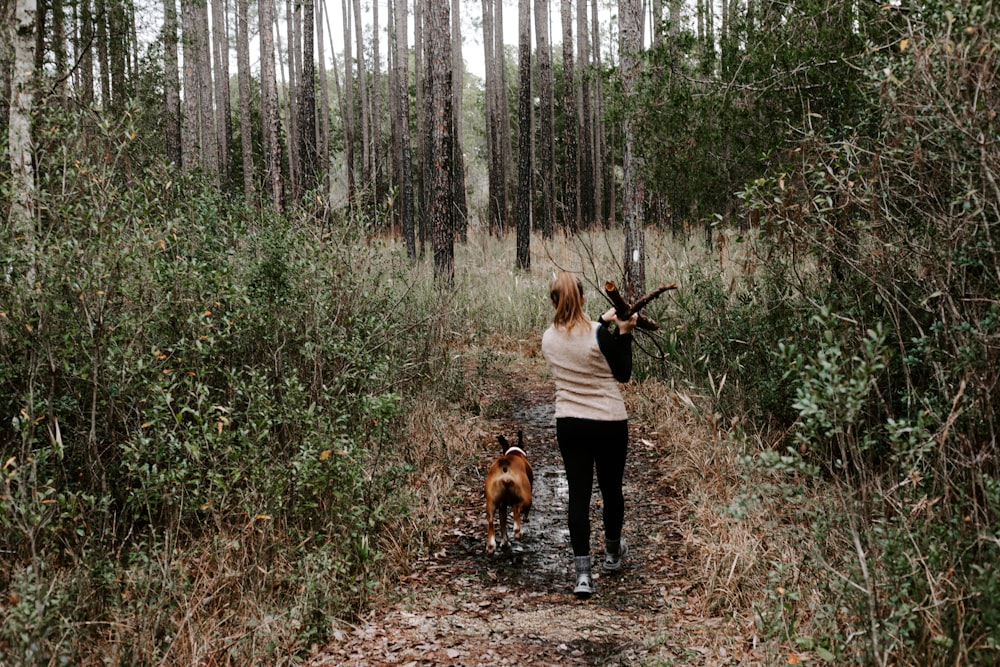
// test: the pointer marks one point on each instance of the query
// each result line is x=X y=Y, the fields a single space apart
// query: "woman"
x=588 y=360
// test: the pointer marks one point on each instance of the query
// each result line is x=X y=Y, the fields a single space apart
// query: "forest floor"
x=460 y=606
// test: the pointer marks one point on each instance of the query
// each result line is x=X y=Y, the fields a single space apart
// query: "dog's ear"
x=520 y=440
x=503 y=444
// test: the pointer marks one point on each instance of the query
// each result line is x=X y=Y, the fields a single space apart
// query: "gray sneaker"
x=584 y=582
x=613 y=554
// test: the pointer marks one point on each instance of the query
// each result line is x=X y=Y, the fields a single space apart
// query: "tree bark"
x=85 y=49
x=223 y=109
x=243 y=74
x=496 y=197
x=307 y=99
x=524 y=103
x=458 y=90
x=404 y=159
x=546 y=139
x=350 y=127
x=323 y=133
x=442 y=121
x=420 y=80
x=601 y=198
x=378 y=166
x=571 y=159
x=171 y=84
x=583 y=117
x=293 y=23
x=101 y=23
x=22 y=167
x=269 y=108
x=367 y=174
x=633 y=188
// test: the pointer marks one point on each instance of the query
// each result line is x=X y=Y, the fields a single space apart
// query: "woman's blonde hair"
x=567 y=297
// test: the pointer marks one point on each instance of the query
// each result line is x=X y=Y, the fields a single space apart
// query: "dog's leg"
x=491 y=540
x=503 y=526
x=517 y=521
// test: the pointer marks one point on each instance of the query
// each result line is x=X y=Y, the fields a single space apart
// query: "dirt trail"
x=462 y=607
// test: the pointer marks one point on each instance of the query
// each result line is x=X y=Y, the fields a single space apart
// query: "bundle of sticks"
x=624 y=310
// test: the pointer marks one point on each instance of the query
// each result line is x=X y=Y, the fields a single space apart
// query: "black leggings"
x=586 y=444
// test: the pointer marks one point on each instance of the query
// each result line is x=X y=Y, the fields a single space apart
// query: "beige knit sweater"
x=585 y=387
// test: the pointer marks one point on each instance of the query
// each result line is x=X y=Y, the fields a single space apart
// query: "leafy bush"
x=182 y=366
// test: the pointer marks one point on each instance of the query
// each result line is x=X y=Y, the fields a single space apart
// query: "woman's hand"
x=624 y=326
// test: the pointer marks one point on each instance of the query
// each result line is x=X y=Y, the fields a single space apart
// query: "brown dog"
x=508 y=484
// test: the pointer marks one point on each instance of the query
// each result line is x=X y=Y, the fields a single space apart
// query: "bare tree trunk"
x=633 y=188
x=675 y=17
x=378 y=168
x=524 y=103
x=85 y=50
x=323 y=140
x=118 y=51
x=657 y=23
x=496 y=200
x=458 y=90
x=269 y=107
x=101 y=21
x=243 y=73
x=597 y=126
x=571 y=158
x=503 y=106
x=546 y=139
x=367 y=160
x=191 y=157
x=223 y=109
x=350 y=126
x=6 y=80
x=442 y=120
x=307 y=99
x=583 y=117
x=293 y=23
x=22 y=167
x=404 y=159
x=420 y=80
x=171 y=85
x=59 y=47
x=209 y=131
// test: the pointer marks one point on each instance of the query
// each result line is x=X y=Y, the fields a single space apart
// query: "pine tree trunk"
x=571 y=158
x=350 y=127
x=85 y=49
x=442 y=120
x=367 y=160
x=243 y=74
x=223 y=109
x=546 y=139
x=191 y=157
x=101 y=44
x=420 y=80
x=307 y=98
x=293 y=22
x=495 y=196
x=506 y=155
x=378 y=166
x=633 y=188
x=597 y=125
x=458 y=90
x=269 y=107
x=323 y=115
x=22 y=183
x=404 y=159
x=586 y=146
x=524 y=103
x=171 y=84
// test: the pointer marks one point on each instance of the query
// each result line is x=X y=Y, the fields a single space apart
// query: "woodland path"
x=463 y=607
